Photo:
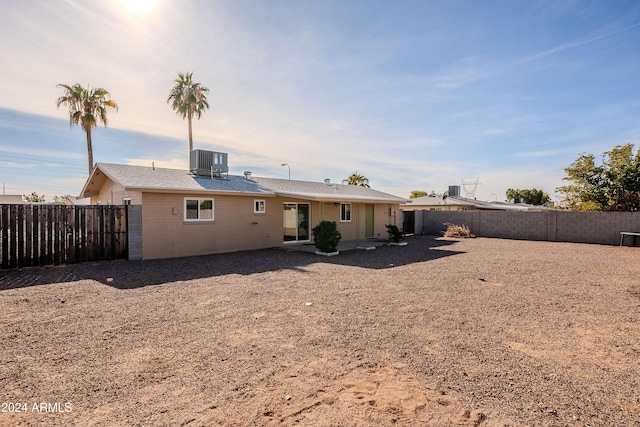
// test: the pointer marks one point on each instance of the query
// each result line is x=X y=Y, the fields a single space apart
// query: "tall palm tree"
x=357 y=179
x=87 y=108
x=188 y=99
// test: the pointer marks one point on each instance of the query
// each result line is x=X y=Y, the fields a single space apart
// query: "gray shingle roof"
x=323 y=191
x=11 y=199
x=438 y=200
x=163 y=179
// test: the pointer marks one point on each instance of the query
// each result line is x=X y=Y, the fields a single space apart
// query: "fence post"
x=4 y=234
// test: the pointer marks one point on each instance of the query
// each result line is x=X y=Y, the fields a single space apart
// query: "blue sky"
x=413 y=95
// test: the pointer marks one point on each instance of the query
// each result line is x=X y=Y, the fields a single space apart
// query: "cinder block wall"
x=134 y=234
x=579 y=227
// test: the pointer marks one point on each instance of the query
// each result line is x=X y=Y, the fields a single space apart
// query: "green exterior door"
x=368 y=221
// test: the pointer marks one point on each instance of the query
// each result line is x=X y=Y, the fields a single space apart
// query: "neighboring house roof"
x=433 y=201
x=141 y=178
x=72 y=200
x=11 y=199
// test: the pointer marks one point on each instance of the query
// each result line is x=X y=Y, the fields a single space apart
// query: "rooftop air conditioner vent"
x=208 y=163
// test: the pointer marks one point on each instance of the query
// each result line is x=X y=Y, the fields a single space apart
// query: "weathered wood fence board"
x=32 y=235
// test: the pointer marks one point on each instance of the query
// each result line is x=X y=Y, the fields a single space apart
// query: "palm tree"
x=87 y=108
x=357 y=179
x=188 y=99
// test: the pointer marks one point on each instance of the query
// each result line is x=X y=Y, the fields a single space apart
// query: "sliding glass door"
x=296 y=222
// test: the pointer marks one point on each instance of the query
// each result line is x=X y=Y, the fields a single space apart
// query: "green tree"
x=33 y=198
x=530 y=196
x=357 y=179
x=87 y=108
x=612 y=186
x=188 y=99
x=417 y=193
x=60 y=200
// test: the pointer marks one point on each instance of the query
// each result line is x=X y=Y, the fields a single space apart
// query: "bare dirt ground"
x=442 y=332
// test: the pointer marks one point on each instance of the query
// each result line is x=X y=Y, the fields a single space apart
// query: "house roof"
x=141 y=178
x=322 y=191
x=11 y=199
x=166 y=180
x=439 y=201
x=72 y=200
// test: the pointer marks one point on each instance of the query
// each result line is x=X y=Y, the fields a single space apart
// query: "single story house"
x=187 y=214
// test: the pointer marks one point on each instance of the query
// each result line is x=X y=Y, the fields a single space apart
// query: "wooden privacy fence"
x=32 y=235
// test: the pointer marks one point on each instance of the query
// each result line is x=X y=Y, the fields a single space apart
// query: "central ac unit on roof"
x=208 y=163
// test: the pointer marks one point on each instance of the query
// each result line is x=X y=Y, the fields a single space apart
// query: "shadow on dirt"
x=135 y=274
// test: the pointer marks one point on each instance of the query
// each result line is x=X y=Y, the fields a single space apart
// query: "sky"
x=414 y=95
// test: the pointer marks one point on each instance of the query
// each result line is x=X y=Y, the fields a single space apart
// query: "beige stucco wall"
x=235 y=226
x=112 y=194
x=356 y=228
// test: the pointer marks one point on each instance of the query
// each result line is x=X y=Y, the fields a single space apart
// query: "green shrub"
x=326 y=236
x=395 y=234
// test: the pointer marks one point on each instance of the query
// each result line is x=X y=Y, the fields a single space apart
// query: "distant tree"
x=357 y=179
x=87 y=108
x=60 y=200
x=33 y=198
x=529 y=196
x=188 y=99
x=612 y=186
x=417 y=193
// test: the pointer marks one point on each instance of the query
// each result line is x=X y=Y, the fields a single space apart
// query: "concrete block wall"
x=596 y=227
x=134 y=228
x=579 y=227
x=511 y=225
x=434 y=222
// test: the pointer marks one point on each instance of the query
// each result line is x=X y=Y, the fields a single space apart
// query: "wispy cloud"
x=17 y=165
x=494 y=131
x=541 y=153
x=417 y=96
x=39 y=152
x=603 y=34
x=462 y=73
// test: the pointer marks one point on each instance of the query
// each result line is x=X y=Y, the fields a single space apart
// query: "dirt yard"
x=442 y=332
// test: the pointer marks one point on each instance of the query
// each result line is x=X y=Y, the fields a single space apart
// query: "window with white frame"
x=345 y=212
x=259 y=206
x=126 y=201
x=198 y=209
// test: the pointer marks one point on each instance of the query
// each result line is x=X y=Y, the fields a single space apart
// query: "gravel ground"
x=471 y=332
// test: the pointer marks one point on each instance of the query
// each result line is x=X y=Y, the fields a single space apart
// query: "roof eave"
x=84 y=192
x=334 y=197
x=198 y=191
